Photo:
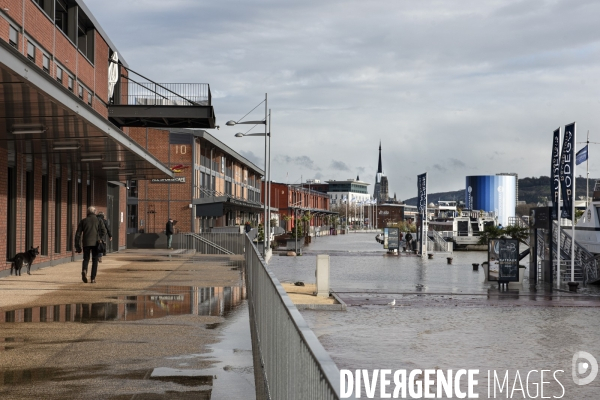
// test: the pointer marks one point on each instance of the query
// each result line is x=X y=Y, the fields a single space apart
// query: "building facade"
x=294 y=201
x=213 y=185
x=492 y=193
x=61 y=150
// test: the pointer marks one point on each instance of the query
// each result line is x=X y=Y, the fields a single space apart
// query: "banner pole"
x=573 y=207
x=559 y=211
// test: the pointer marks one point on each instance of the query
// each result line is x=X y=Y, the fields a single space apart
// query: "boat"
x=463 y=227
x=587 y=228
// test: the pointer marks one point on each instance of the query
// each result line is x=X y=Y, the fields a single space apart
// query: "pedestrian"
x=247 y=226
x=170 y=231
x=408 y=238
x=88 y=234
x=102 y=244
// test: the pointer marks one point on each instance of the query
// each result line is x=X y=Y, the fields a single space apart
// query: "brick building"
x=213 y=185
x=64 y=141
x=294 y=201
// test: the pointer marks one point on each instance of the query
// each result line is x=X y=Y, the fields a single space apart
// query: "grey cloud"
x=257 y=160
x=339 y=166
x=302 y=161
x=452 y=84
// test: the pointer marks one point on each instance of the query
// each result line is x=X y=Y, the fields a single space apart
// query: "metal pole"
x=558 y=279
x=269 y=238
x=573 y=208
x=266 y=187
x=587 y=164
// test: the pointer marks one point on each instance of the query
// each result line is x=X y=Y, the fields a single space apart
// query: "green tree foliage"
x=490 y=232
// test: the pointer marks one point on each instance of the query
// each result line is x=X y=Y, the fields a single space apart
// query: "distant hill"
x=531 y=190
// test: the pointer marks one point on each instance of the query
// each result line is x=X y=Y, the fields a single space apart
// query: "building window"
x=132 y=190
x=70 y=84
x=222 y=165
x=89 y=98
x=80 y=90
x=85 y=36
x=46 y=5
x=61 y=16
x=46 y=63
x=45 y=202
x=59 y=74
x=57 y=215
x=30 y=51
x=14 y=37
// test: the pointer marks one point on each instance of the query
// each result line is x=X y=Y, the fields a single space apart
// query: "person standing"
x=102 y=246
x=89 y=232
x=170 y=231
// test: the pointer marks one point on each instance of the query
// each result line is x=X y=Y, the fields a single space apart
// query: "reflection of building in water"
x=168 y=300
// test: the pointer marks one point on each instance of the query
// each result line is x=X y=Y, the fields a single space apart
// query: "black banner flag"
x=554 y=174
x=566 y=171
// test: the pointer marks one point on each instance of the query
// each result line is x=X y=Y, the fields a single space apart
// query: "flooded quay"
x=445 y=318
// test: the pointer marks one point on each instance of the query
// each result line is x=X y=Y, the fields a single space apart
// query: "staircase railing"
x=583 y=258
x=437 y=243
x=190 y=238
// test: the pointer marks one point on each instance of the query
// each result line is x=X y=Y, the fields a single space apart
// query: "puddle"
x=166 y=301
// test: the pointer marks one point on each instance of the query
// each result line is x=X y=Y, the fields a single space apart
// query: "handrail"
x=290 y=363
x=587 y=261
x=209 y=243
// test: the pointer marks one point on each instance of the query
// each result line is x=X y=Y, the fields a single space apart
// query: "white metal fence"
x=289 y=361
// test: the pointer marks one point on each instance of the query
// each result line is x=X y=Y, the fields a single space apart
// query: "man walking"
x=89 y=232
x=170 y=231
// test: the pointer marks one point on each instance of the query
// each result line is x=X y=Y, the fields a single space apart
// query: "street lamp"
x=267 y=191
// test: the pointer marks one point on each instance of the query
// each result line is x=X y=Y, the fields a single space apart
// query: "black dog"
x=22 y=259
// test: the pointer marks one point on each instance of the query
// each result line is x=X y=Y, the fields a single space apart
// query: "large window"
x=70 y=215
x=45 y=198
x=29 y=198
x=61 y=16
x=11 y=214
x=85 y=36
x=57 y=215
x=46 y=5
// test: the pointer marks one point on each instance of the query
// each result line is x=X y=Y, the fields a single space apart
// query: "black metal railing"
x=133 y=92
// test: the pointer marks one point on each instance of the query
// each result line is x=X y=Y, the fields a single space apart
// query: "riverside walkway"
x=158 y=324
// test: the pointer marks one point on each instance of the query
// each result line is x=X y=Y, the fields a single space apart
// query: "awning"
x=39 y=116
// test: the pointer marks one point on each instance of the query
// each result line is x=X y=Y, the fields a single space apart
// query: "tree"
x=490 y=232
x=517 y=232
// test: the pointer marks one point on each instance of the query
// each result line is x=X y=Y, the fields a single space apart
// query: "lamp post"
x=267 y=192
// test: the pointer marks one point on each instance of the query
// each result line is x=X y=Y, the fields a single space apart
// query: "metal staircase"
x=209 y=243
x=587 y=269
x=436 y=243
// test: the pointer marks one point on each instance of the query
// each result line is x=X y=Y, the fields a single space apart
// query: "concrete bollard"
x=475 y=267
x=322 y=274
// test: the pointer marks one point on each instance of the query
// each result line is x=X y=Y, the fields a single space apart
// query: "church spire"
x=379 y=168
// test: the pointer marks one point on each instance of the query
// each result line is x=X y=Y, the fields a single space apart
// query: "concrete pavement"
x=157 y=324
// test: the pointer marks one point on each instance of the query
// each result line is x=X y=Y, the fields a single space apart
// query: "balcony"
x=138 y=103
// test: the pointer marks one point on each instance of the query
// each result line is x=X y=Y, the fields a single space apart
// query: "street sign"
x=503 y=260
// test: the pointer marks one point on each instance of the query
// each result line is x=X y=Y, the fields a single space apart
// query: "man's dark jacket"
x=169 y=229
x=89 y=231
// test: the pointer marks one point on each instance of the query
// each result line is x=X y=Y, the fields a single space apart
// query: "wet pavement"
x=157 y=325
x=446 y=317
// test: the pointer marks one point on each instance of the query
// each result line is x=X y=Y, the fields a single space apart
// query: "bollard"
x=573 y=286
x=322 y=275
x=475 y=267
x=449 y=259
x=430 y=256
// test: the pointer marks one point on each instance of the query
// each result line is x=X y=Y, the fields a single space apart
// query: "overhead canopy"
x=39 y=116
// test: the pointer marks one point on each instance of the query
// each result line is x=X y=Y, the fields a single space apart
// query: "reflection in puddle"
x=167 y=300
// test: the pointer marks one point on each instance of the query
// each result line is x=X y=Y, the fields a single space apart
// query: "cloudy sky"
x=452 y=88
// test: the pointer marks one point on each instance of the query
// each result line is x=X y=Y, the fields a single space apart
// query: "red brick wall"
x=65 y=52
x=101 y=70
x=85 y=72
x=39 y=27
